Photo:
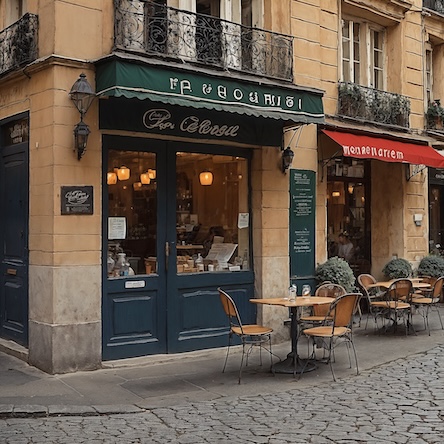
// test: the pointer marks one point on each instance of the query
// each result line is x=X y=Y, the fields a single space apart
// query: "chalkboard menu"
x=302 y=226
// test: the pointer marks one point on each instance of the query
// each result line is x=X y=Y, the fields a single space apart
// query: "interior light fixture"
x=287 y=159
x=145 y=178
x=123 y=173
x=336 y=194
x=350 y=188
x=111 y=178
x=152 y=174
x=206 y=178
x=137 y=186
x=82 y=96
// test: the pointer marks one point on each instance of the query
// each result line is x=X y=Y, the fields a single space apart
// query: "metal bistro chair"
x=428 y=301
x=319 y=312
x=397 y=304
x=370 y=295
x=339 y=331
x=250 y=335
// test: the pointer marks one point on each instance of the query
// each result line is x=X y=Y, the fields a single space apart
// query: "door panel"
x=14 y=241
x=134 y=307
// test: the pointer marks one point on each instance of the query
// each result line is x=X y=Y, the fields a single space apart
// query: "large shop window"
x=211 y=213
x=348 y=211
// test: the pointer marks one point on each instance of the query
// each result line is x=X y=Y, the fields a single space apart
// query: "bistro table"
x=415 y=283
x=293 y=363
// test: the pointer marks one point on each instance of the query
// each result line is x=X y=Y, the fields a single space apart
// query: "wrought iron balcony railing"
x=373 y=105
x=435 y=5
x=18 y=43
x=159 y=30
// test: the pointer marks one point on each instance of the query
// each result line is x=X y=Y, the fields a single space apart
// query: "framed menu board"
x=302 y=226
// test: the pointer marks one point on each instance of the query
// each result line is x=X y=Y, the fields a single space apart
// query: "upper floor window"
x=208 y=7
x=433 y=84
x=14 y=10
x=428 y=73
x=363 y=54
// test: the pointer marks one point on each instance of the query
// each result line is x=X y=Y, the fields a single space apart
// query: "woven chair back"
x=344 y=307
x=327 y=290
x=401 y=289
x=230 y=309
x=364 y=280
x=437 y=288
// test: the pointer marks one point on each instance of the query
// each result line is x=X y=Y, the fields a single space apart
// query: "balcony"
x=372 y=105
x=434 y=5
x=156 y=30
x=18 y=43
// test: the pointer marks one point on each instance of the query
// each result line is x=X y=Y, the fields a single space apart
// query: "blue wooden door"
x=162 y=310
x=134 y=308
x=14 y=231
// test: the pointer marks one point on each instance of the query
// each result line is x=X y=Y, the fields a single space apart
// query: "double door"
x=164 y=226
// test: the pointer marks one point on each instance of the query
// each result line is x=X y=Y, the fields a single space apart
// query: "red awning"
x=365 y=147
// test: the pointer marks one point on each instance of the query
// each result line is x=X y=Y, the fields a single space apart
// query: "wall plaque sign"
x=76 y=200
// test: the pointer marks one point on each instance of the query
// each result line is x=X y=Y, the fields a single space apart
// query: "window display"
x=211 y=213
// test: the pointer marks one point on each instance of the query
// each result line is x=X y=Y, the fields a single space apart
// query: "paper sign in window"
x=243 y=220
x=116 y=228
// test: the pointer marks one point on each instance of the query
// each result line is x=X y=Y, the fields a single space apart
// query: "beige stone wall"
x=65 y=251
x=270 y=202
x=271 y=216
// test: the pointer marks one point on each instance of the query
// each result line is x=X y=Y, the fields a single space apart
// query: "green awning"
x=122 y=78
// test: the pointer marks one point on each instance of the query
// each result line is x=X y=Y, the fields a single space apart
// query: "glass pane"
x=247 y=13
x=346 y=70
x=212 y=219
x=132 y=207
x=345 y=29
x=356 y=32
x=345 y=50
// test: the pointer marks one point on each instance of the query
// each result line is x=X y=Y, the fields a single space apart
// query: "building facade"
x=186 y=183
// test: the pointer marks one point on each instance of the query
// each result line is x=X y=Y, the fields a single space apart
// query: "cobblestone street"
x=399 y=402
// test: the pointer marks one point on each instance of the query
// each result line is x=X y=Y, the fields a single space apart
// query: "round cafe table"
x=293 y=363
x=415 y=283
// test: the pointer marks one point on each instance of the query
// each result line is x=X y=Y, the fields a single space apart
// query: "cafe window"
x=348 y=209
x=211 y=220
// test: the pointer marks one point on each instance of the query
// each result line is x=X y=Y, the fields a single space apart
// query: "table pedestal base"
x=288 y=366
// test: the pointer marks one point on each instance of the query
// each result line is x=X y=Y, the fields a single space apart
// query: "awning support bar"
x=416 y=169
x=324 y=162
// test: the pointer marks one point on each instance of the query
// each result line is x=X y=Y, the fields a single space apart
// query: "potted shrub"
x=398 y=268
x=337 y=271
x=435 y=114
x=432 y=266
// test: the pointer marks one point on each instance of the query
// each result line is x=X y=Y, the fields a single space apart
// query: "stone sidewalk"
x=398 y=402
x=140 y=384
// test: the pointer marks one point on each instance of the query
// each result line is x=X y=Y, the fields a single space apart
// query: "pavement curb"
x=39 y=411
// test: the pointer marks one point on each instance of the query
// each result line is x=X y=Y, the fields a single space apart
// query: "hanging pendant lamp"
x=206 y=178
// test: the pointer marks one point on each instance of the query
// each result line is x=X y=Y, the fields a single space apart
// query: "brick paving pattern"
x=399 y=402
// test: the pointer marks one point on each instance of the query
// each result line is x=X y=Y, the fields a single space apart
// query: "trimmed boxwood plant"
x=398 y=268
x=337 y=271
x=432 y=266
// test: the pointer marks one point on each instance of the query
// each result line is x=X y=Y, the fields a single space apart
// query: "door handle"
x=167 y=254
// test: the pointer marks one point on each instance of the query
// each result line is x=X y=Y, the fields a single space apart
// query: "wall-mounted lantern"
x=82 y=96
x=287 y=159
